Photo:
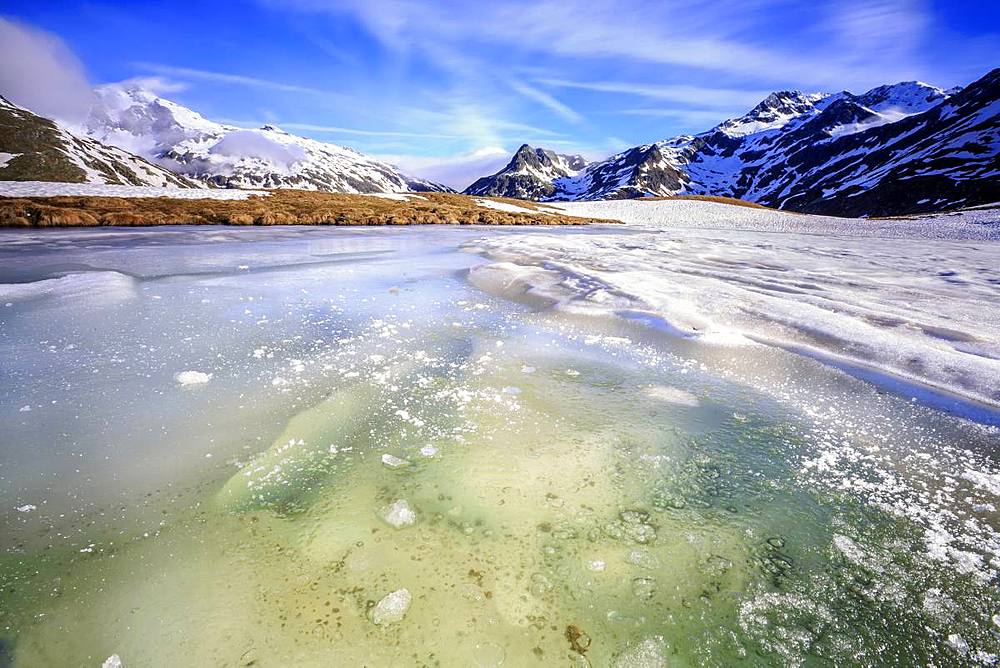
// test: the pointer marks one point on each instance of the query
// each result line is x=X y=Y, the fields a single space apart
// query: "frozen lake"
x=478 y=446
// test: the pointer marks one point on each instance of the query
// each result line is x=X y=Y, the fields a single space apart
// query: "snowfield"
x=50 y=189
x=912 y=302
x=680 y=213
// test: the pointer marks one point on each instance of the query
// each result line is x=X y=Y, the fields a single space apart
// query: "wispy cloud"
x=226 y=78
x=714 y=97
x=457 y=170
x=703 y=118
x=333 y=129
x=546 y=100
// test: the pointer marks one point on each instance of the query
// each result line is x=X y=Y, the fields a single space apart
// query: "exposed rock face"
x=898 y=149
x=530 y=174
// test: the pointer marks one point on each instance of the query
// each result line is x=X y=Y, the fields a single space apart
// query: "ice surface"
x=698 y=494
x=917 y=310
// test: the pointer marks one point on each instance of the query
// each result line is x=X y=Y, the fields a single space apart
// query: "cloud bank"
x=40 y=72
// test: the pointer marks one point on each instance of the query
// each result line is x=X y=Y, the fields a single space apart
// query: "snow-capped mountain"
x=530 y=174
x=903 y=148
x=182 y=140
x=33 y=148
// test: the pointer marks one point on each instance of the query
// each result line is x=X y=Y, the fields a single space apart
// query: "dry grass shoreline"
x=280 y=207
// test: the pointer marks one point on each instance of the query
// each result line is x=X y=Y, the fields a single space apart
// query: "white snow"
x=506 y=206
x=50 y=189
x=908 y=298
x=399 y=197
x=698 y=214
x=7 y=157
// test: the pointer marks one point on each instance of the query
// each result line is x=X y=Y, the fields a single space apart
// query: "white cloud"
x=38 y=71
x=158 y=85
x=253 y=144
x=457 y=171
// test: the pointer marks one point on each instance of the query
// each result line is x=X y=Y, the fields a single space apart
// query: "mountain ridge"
x=832 y=153
x=223 y=155
x=33 y=148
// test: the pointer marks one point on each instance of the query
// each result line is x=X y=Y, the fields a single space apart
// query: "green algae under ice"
x=391 y=465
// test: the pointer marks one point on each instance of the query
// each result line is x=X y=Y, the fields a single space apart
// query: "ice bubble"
x=429 y=450
x=192 y=377
x=489 y=655
x=597 y=565
x=394 y=462
x=392 y=608
x=644 y=588
x=398 y=514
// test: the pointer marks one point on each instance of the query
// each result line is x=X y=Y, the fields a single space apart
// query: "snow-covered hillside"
x=33 y=148
x=904 y=148
x=128 y=116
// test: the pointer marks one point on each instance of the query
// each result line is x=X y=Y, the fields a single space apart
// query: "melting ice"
x=598 y=446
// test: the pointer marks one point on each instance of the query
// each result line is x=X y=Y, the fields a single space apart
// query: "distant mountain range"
x=903 y=148
x=33 y=148
x=182 y=140
x=133 y=136
x=898 y=149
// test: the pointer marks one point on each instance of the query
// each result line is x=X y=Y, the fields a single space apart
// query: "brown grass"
x=281 y=207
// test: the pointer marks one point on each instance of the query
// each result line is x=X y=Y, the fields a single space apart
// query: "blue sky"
x=448 y=89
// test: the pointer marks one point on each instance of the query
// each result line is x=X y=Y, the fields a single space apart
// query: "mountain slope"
x=904 y=148
x=182 y=140
x=530 y=174
x=33 y=148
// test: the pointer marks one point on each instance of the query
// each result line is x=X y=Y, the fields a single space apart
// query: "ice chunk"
x=398 y=514
x=429 y=450
x=26 y=508
x=113 y=661
x=394 y=462
x=192 y=377
x=392 y=608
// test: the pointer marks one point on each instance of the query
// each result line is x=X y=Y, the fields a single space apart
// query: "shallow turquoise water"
x=549 y=488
